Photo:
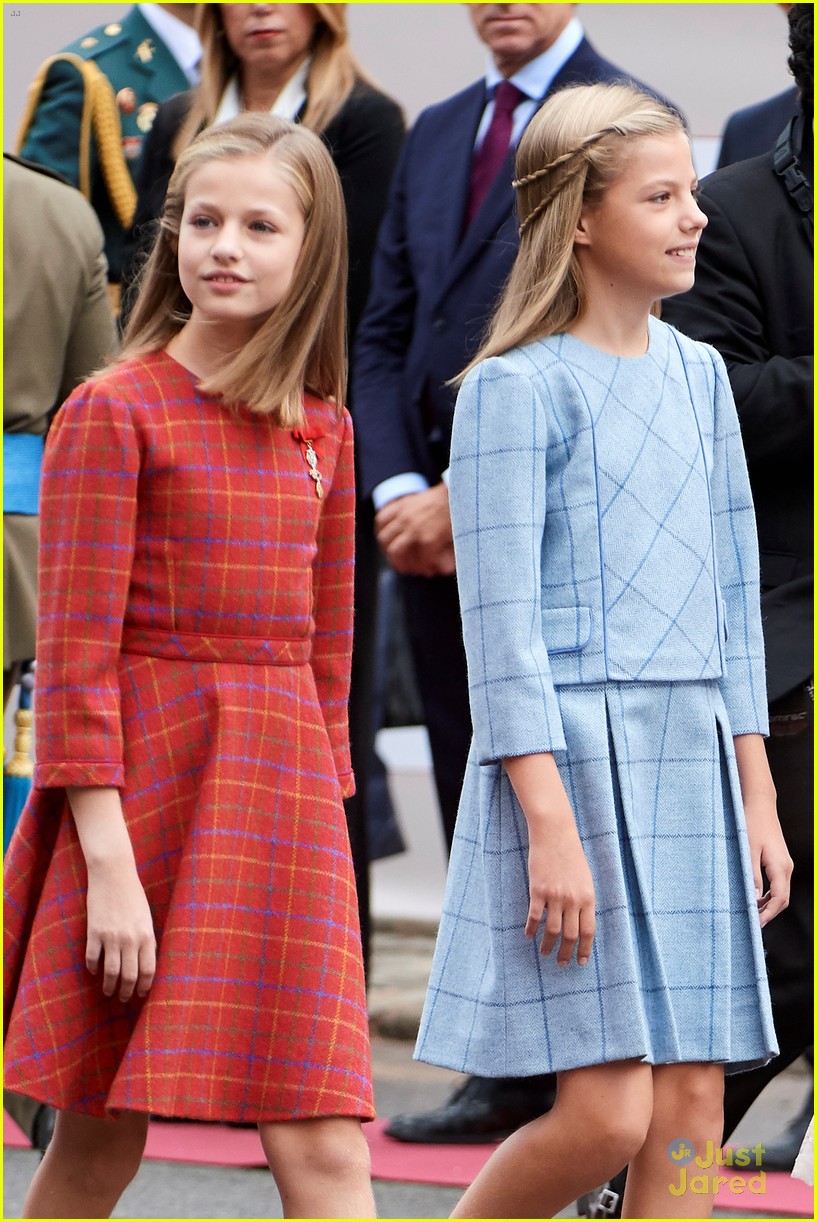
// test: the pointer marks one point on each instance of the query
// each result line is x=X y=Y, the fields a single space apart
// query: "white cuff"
x=398 y=485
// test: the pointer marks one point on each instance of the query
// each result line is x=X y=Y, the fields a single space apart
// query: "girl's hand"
x=766 y=843
x=120 y=927
x=558 y=874
x=561 y=884
x=120 y=930
x=769 y=853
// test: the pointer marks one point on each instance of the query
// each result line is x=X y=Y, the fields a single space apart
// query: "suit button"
x=439 y=325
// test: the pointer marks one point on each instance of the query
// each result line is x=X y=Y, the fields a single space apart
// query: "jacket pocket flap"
x=565 y=628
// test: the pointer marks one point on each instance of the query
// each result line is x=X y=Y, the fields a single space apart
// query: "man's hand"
x=414 y=532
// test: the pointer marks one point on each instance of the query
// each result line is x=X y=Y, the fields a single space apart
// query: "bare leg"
x=321 y=1167
x=598 y=1122
x=87 y=1166
x=688 y=1106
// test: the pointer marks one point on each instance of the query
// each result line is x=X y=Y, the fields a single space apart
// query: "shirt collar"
x=286 y=106
x=181 y=40
x=536 y=77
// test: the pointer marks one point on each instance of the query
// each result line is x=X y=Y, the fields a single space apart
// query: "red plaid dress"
x=194 y=650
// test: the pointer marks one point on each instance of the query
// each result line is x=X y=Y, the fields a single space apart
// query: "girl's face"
x=276 y=37
x=241 y=233
x=642 y=237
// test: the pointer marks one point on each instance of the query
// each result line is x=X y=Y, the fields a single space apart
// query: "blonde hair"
x=333 y=71
x=572 y=150
x=301 y=345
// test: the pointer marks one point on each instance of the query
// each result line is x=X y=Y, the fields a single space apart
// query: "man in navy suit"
x=753 y=130
x=445 y=249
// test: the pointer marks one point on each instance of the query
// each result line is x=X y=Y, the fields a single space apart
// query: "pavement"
x=401 y=959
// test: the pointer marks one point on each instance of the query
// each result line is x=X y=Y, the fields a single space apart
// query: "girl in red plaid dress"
x=182 y=932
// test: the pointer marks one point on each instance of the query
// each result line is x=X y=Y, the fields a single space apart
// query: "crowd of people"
x=565 y=394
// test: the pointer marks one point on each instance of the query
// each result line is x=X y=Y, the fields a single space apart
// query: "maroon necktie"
x=494 y=148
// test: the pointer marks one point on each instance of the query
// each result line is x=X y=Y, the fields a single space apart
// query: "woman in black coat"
x=294 y=60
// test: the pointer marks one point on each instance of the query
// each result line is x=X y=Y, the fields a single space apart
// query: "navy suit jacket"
x=754 y=130
x=434 y=288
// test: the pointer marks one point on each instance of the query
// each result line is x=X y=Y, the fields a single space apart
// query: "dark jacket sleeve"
x=155 y=169
x=365 y=139
x=383 y=438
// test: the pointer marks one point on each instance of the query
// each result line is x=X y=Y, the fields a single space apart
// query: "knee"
x=619 y=1135
x=333 y=1149
x=99 y=1156
x=693 y=1104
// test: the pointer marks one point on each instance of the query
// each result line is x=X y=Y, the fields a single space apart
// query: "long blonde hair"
x=301 y=345
x=333 y=71
x=572 y=150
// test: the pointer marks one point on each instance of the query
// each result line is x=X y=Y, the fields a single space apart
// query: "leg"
x=688 y=1105
x=599 y=1121
x=321 y=1167
x=87 y=1166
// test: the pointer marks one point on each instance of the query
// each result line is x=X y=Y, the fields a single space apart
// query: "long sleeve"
x=497 y=491
x=744 y=682
x=383 y=340
x=87 y=526
x=365 y=141
x=333 y=607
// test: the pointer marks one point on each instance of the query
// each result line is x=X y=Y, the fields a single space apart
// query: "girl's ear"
x=581 y=234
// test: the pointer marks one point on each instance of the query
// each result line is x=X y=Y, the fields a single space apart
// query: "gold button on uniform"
x=113 y=29
x=89 y=42
x=145 y=51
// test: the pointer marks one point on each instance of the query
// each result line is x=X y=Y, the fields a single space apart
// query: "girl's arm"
x=559 y=876
x=88 y=512
x=766 y=842
x=333 y=608
x=497 y=492
x=120 y=928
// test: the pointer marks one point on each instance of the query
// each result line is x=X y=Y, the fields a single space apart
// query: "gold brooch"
x=312 y=462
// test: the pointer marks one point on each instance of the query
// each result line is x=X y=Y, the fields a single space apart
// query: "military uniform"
x=142 y=72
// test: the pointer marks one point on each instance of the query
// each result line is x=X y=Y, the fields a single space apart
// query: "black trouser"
x=433 y=623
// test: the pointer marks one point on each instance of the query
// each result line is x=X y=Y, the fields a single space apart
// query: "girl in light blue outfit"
x=605 y=895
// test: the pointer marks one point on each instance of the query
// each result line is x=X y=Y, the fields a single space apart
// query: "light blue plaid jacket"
x=604 y=530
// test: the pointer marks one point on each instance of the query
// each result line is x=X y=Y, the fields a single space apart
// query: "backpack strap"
x=787 y=167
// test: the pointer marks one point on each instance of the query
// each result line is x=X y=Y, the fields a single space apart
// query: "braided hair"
x=572 y=150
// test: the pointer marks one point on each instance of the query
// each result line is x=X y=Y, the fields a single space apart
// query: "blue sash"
x=22 y=463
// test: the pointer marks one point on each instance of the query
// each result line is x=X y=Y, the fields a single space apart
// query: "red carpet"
x=450 y=1166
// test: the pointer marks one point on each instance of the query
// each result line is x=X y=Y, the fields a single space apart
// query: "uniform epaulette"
x=100 y=116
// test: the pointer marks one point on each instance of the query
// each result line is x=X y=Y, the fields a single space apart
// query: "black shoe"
x=481 y=1110
x=42 y=1129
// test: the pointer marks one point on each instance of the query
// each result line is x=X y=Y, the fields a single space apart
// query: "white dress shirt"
x=181 y=39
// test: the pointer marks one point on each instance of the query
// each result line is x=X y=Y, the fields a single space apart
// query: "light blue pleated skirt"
x=677 y=969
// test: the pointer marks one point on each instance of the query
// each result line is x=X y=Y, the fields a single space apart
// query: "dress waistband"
x=201 y=647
